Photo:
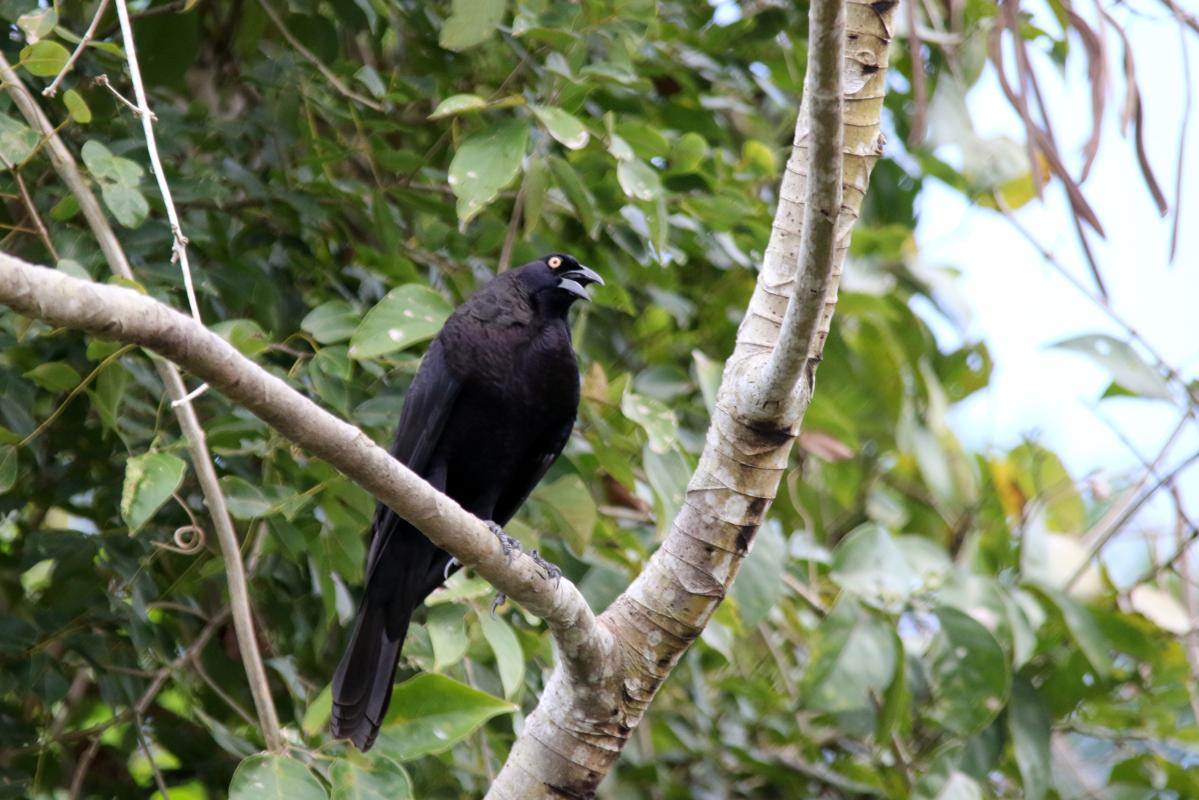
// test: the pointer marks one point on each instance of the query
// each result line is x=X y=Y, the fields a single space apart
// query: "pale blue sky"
x=1020 y=306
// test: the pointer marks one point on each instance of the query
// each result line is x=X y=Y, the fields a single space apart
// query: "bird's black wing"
x=533 y=469
x=427 y=407
x=396 y=566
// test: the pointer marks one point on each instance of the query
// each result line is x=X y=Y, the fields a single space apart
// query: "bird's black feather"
x=488 y=412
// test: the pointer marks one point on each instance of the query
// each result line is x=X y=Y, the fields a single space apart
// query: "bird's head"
x=557 y=280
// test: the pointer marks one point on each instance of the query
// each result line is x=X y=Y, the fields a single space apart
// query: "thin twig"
x=67 y=168
x=138 y=723
x=1182 y=146
x=311 y=58
x=919 y=83
x=102 y=80
x=30 y=207
x=52 y=89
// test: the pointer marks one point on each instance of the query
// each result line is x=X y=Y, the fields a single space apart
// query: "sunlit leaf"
x=408 y=315
x=45 y=59
x=270 y=777
x=150 y=480
x=369 y=778
x=430 y=713
x=485 y=164
x=968 y=671
x=458 y=104
x=509 y=658
x=1123 y=363
x=471 y=23
x=563 y=126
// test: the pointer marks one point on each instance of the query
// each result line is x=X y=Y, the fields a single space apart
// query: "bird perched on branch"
x=488 y=412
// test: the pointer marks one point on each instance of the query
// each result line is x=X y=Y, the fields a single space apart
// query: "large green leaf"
x=760 y=581
x=1082 y=626
x=485 y=164
x=430 y=713
x=563 y=126
x=1123 y=362
x=331 y=322
x=150 y=480
x=869 y=563
x=968 y=671
x=853 y=660
x=268 y=777
x=447 y=633
x=1029 y=726
x=509 y=658
x=655 y=417
x=8 y=467
x=458 y=104
x=45 y=59
x=409 y=314
x=471 y=23
x=356 y=777
x=573 y=506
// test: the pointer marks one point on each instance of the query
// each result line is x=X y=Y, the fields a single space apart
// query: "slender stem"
x=52 y=89
x=30 y=207
x=311 y=58
x=823 y=99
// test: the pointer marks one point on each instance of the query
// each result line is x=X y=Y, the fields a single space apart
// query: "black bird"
x=488 y=412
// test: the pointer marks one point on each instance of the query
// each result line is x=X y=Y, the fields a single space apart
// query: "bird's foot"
x=500 y=597
x=549 y=569
x=449 y=567
x=510 y=544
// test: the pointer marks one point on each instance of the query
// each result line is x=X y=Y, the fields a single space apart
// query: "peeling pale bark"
x=570 y=742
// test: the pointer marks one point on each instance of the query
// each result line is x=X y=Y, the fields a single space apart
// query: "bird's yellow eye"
x=554 y=262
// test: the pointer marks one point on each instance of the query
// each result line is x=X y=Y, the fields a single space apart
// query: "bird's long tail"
x=363 y=681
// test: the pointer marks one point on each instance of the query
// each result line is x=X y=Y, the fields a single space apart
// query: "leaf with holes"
x=563 y=126
x=485 y=164
x=268 y=777
x=430 y=713
x=407 y=315
x=1123 y=363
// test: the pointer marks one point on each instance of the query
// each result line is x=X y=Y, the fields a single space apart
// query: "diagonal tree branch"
x=116 y=313
x=243 y=621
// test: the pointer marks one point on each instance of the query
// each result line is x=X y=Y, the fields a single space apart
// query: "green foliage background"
x=900 y=628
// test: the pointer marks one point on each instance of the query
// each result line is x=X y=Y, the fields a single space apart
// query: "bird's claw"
x=449 y=566
x=500 y=597
x=549 y=569
x=510 y=544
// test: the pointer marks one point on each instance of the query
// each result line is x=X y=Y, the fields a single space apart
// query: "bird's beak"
x=575 y=281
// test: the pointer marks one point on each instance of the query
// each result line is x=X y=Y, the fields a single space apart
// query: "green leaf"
x=668 y=474
x=54 y=376
x=946 y=783
x=331 y=322
x=409 y=314
x=318 y=713
x=431 y=713
x=244 y=334
x=563 y=126
x=1082 y=626
x=760 y=581
x=458 y=104
x=687 y=152
x=536 y=185
x=853 y=660
x=8 y=467
x=509 y=658
x=77 y=107
x=485 y=164
x=126 y=203
x=638 y=179
x=1123 y=362
x=369 y=778
x=36 y=579
x=17 y=141
x=246 y=501
x=267 y=777
x=45 y=59
x=38 y=24
x=870 y=563
x=150 y=480
x=577 y=193
x=1029 y=725
x=368 y=76
x=471 y=23
x=968 y=671
x=108 y=393
x=573 y=507
x=109 y=168
x=655 y=417
x=447 y=633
